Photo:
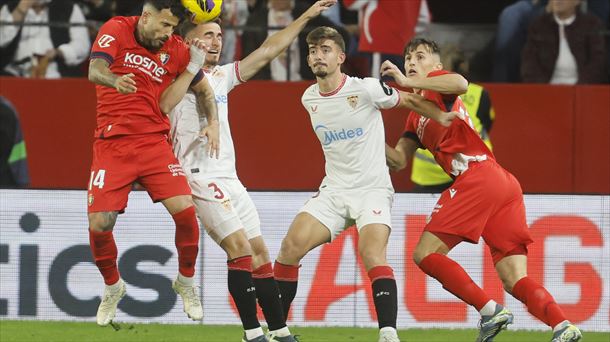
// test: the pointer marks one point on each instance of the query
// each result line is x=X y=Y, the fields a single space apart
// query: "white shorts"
x=338 y=210
x=224 y=207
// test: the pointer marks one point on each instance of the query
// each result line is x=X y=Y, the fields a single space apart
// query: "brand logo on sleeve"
x=105 y=40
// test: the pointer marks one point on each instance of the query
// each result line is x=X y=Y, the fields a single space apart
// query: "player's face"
x=157 y=28
x=563 y=6
x=325 y=58
x=211 y=34
x=420 y=62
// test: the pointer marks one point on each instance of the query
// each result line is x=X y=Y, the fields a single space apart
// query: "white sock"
x=253 y=333
x=283 y=332
x=384 y=329
x=188 y=281
x=561 y=325
x=115 y=286
x=489 y=309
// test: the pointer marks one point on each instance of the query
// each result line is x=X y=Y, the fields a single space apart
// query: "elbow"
x=165 y=108
x=461 y=86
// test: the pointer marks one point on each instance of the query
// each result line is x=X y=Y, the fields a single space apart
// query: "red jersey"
x=453 y=147
x=139 y=112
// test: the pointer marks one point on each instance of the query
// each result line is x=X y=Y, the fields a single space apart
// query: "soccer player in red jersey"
x=133 y=62
x=485 y=200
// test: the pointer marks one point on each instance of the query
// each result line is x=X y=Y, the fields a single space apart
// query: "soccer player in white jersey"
x=223 y=205
x=345 y=116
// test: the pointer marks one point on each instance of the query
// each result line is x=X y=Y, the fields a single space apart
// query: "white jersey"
x=349 y=125
x=189 y=148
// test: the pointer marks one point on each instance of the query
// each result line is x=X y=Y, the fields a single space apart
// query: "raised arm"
x=176 y=91
x=429 y=109
x=99 y=73
x=397 y=158
x=278 y=42
x=445 y=84
x=206 y=105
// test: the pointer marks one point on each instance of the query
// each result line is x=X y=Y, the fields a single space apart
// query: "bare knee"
x=291 y=252
x=372 y=257
x=429 y=244
x=511 y=269
x=260 y=255
x=102 y=221
x=236 y=245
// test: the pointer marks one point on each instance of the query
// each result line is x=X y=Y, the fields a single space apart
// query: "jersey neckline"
x=336 y=90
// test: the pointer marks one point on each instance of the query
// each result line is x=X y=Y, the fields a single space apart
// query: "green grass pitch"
x=25 y=331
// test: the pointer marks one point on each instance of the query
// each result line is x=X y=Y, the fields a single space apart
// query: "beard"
x=321 y=73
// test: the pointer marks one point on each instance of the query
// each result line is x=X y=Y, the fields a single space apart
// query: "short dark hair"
x=187 y=26
x=317 y=35
x=428 y=43
x=175 y=6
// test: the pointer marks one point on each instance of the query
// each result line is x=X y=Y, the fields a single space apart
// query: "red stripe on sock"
x=264 y=271
x=187 y=240
x=454 y=279
x=286 y=272
x=381 y=272
x=243 y=263
x=105 y=254
x=539 y=301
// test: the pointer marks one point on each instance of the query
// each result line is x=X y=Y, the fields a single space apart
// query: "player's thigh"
x=328 y=209
x=216 y=212
x=506 y=232
x=245 y=209
x=305 y=233
x=111 y=176
x=161 y=174
x=371 y=207
x=464 y=208
x=434 y=243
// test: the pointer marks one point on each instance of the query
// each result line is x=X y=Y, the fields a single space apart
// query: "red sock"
x=286 y=272
x=104 y=253
x=454 y=279
x=264 y=271
x=187 y=240
x=243 y=263
x=539 y=301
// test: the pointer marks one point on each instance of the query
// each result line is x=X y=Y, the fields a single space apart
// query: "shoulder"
x=311 y=92
x=588 y=20
x=176 y=42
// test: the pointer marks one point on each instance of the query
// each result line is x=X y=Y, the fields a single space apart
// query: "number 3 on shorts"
x=97 y=179
x=218 y=194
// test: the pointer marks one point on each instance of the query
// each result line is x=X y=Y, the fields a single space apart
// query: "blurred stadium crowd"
x=535 y=41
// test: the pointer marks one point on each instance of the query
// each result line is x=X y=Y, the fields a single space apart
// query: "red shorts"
x=485 y=201
x=118 y=162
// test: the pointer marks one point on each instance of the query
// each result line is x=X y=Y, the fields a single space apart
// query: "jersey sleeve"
x=447 y=99
x=382 y=95
x=231 y=72
x=107 y=42
x=411 y=129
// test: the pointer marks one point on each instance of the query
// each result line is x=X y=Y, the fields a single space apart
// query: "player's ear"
x=341 y=57
x=438 y=66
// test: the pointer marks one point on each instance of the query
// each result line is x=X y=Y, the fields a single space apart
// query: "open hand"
x=319 y=7
x=212 y=133
x=391 y=70
x=125 y=84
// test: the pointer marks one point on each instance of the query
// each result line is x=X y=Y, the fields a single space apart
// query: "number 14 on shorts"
x=97 y=179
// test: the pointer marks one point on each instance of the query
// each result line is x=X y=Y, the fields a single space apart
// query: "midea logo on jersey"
x=335 y=135
x=146 y=63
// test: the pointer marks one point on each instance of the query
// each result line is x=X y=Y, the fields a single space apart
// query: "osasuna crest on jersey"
x=163 y=57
